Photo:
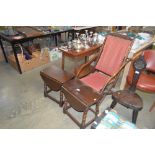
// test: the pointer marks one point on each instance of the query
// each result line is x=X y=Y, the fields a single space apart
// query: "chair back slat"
x=114 y=52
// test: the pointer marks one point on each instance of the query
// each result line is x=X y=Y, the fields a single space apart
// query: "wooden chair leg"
x=152 y=107
x=45 y=90
x=61 y=99
x=97 y=109
x=134 y=116
x=113 y=104
x=64 y=107
x=84 y=119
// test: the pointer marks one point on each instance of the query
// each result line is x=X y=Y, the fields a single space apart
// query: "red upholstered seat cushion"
x=146 y=82
x=114 y=52
x=96 y=80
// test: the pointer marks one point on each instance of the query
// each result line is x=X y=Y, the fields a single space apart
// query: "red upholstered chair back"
x=113 y=54
x=149 y=56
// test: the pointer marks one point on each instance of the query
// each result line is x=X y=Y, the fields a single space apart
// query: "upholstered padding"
x=96 y=80
x=149 y=56
x=146 y=82
x=113 y=54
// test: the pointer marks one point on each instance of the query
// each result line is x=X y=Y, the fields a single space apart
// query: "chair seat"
x=77 y=92
x=146 y=82
x=96 y=80
x=128 y=99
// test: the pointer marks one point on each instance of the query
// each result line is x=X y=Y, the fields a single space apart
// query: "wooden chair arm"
x=112 y=81
x=122 y=67
x=86 y=68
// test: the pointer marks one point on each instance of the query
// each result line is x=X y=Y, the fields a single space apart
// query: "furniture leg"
x=73 y=35
x=68 y=36
x=113 y=104
x=63 y=61
x=64 y=107
x=50 y=40
x=3 y=51
x=45 y=90
x=134 y=116
x=16 y=58
x=65 y=37
x=75 y=64
x=61 y=99
x=84 y=119
x=97 y=109
x=56 y=40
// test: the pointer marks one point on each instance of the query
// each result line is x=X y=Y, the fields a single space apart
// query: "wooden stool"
x=53 y=78
x=129 y=100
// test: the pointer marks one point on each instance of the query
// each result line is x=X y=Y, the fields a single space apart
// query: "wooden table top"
x=80 y=53
x=28 y=31
x=25 y=33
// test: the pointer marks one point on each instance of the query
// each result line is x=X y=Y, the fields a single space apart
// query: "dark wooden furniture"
x=81 y=97
x=84 y=53
x=129 y=98
x=19 y=39
x=53 y=78
x=90 y=89
x=134 y=54
x=146 y=80
x=25 y=34
x=99 y=118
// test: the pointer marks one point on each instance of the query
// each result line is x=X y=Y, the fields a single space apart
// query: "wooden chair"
x=128 y=98
x=146 y=80
x=94 y=82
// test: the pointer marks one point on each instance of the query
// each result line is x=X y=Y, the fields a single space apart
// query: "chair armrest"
x=112 y=81
x=86 y=68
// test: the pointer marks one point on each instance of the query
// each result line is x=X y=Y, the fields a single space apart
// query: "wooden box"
x=37 y=60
